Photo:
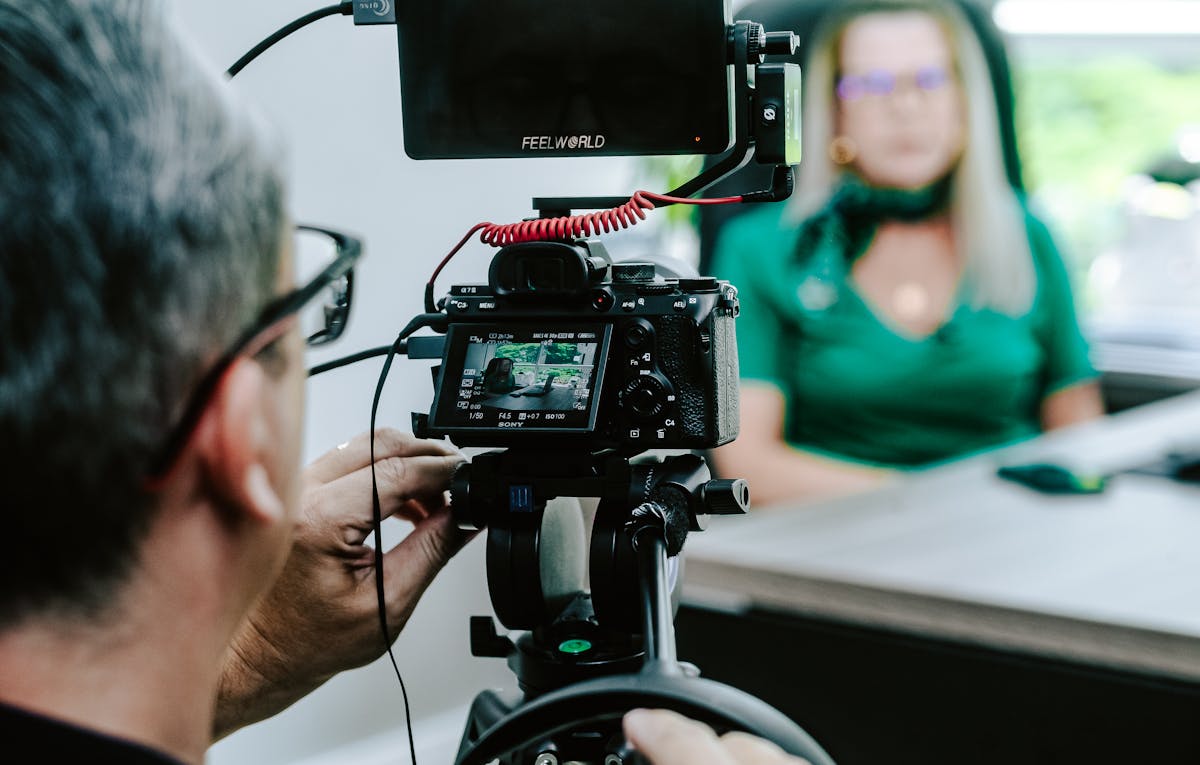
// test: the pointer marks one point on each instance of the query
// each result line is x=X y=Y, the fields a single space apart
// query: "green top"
x=856 y=388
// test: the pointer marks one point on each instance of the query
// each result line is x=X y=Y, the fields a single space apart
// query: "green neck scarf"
x=838 y=233
x=849 y=218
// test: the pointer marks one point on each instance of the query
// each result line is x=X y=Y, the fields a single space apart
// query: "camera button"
x=699 y=284
x=628 y=305
x=636 y=335
x=602 y=301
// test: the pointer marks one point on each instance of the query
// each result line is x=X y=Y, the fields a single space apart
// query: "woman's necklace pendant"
x=911 y=300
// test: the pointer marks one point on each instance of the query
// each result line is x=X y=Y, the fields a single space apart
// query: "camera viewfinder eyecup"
x=548 y=270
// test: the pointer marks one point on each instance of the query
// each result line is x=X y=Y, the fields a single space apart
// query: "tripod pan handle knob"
x=727 y=496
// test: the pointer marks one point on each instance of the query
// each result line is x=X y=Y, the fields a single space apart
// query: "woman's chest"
x=909 y=277
x=974 y=358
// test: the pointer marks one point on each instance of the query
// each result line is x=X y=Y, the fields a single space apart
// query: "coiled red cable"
x=590 y=224
x=569 y=227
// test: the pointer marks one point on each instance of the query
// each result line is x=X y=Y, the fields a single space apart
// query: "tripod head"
x=582 y=661
x=506 y=492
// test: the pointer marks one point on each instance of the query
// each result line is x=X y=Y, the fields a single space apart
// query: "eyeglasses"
x=323 y=261
x=880 y=82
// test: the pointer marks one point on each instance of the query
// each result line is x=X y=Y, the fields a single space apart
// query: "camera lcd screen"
x=526 y=78
x=505 y=378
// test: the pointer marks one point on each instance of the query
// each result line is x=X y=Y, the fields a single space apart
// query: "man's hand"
x=322 y=615
x=667 y=738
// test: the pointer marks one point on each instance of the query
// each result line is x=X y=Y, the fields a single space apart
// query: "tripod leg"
x=488 y=708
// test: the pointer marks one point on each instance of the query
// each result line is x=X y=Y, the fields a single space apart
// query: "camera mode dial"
x=645 y=396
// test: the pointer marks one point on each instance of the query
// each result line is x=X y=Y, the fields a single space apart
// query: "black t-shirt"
x=56 y=741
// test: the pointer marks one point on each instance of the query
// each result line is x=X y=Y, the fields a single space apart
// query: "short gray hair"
x=141 y=219
x=989 y=221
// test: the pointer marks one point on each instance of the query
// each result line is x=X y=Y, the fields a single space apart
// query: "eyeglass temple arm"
x=423 y=347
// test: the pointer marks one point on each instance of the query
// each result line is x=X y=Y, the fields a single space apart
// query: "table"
x=995 y=621
x=1145 y=358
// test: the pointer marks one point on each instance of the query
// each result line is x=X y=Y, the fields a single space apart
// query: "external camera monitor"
x=526 y=78
x=508 y=378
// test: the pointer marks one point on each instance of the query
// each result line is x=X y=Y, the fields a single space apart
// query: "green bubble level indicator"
x=576 y=646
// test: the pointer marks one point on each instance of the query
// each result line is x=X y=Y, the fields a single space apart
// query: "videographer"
x=151 y=402
x=172 y=575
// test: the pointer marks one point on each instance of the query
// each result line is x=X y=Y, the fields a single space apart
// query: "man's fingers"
x=401 y=480
x=415 y=510
x=411 y=565
x=355 y=454
x=752 y=750
x=667 y=738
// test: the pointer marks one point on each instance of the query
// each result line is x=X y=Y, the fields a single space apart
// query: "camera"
x=578 y=371
x=570 y=365
x=565 y=348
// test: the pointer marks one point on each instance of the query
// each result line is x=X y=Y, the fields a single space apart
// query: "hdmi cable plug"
x=374 y=12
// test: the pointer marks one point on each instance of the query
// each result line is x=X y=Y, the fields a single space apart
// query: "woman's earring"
x=843 y=150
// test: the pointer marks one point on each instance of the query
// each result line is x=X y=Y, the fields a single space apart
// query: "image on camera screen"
x=521 y=379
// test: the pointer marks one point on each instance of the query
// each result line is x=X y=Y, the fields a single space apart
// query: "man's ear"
x=235 y=443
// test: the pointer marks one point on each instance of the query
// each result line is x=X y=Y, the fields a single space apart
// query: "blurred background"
x=1107 y=121
x=1109 y=129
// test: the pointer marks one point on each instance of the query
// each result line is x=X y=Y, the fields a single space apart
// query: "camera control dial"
x=632 y=273
x=645 y=396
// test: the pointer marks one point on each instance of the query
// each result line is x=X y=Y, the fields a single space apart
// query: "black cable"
x=370 y=353
x=344 y=8
x=377 y=517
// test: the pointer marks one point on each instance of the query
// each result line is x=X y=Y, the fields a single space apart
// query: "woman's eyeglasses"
x=323 y=261
x=881 y=82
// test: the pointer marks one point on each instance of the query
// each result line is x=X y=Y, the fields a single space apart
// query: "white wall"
x=333 y=90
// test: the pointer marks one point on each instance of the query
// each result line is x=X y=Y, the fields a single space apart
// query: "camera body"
x=565 y=349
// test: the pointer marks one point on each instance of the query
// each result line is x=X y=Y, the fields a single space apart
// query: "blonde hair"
x=987 y=218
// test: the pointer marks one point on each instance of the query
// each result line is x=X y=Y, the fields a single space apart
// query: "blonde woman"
x=905 y=308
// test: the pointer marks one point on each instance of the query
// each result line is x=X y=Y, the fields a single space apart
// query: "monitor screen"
x=508 y=379
x=519 y=78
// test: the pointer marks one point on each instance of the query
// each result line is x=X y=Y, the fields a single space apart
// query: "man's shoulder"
x=58 y=741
